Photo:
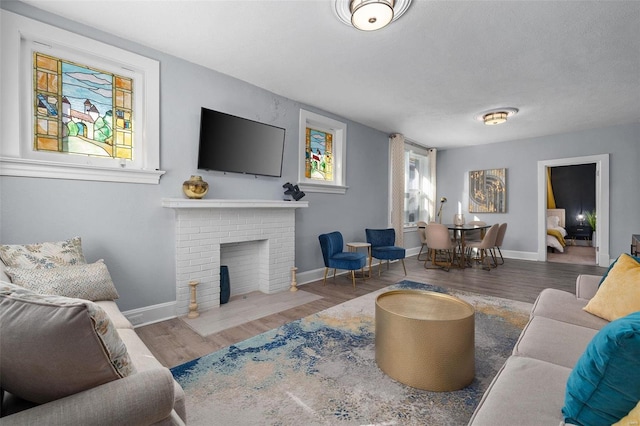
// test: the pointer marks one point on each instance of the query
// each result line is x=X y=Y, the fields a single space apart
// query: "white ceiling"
x=566 y=65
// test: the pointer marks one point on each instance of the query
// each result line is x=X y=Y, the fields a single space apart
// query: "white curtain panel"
x=431 y=190
x=396 y=143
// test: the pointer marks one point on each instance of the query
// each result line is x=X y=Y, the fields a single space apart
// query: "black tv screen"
x=234 y=144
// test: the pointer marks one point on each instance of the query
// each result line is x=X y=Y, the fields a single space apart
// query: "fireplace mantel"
x=182 y=203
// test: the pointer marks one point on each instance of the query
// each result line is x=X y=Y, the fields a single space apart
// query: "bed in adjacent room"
x=556 y=231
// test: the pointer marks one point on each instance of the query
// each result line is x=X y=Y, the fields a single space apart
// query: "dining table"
x=460 y=230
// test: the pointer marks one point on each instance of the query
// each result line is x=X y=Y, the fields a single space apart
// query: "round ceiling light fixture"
x=496 y=116
x=370 y=15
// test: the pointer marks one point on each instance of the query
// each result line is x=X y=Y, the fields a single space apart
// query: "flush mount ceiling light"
x=496 y=116
x=370 y=15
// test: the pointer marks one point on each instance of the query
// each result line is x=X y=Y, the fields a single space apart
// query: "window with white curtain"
x=419 y=184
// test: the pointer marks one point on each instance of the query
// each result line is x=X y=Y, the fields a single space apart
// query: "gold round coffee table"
x=425 y=339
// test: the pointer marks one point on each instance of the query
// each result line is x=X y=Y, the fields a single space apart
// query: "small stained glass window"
x=322 y=144
x=81 y=110
x=318 y=155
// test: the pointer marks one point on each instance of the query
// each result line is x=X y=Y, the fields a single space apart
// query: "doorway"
x=573 y=190
x=601 y=240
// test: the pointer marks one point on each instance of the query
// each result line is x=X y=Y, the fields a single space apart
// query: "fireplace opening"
x=244 y=263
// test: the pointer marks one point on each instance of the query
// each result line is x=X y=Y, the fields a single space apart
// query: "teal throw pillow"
x=604 y=277
x=605 y=382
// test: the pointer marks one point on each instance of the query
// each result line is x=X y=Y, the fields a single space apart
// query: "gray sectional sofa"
x=148 y=396
x=530 y=387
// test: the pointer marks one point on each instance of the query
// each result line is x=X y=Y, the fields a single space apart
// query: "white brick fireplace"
x=258 y=236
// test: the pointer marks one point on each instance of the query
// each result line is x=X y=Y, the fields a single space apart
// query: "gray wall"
x=125 y=223
x=521 y=159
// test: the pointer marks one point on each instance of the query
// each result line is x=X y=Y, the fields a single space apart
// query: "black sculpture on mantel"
x=293 y=191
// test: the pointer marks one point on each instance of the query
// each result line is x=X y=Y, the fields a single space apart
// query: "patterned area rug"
x=321 y=370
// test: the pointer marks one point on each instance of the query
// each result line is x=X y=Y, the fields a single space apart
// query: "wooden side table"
x=354 y=246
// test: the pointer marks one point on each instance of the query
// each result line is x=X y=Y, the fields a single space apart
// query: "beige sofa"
x=148 y=396
x=530 y=387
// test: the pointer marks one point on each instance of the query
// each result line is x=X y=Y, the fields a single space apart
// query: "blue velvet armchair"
x=334 y=257
x=383 y=246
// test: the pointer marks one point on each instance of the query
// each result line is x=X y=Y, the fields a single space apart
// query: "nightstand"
x=580 y=232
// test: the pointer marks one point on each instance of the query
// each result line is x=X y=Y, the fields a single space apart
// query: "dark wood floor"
x=174 y=343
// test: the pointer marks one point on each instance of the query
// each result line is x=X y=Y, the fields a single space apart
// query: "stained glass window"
x=81 y=110
x=318 y=155
x=322 y=154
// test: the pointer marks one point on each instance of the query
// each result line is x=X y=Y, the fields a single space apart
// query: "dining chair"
x=383 y=246
x=439 y=242
x=499 y=240
x=475 y=235
x=332 y=245
x=422 y=233
x=485 y=247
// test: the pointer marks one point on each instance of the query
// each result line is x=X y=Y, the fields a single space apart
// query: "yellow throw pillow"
x=631 y=419
x=619 y=293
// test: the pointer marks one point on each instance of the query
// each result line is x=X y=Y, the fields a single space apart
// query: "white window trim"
x=339 y=131
x=430 y=191
x=16 y=153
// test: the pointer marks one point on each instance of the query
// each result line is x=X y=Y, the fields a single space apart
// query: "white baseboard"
x=151 y=314
x=413 y=251
x=604 y=260
x=519 y=255
x=317 y=274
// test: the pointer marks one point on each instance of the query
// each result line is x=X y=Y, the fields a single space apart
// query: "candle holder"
x=294 y=283
x=193 y=306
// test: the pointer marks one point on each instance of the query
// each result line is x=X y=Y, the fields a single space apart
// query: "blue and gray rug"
x=321 y=370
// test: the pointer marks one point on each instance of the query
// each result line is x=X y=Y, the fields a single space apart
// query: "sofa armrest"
x=587 y=286
x=143 y=398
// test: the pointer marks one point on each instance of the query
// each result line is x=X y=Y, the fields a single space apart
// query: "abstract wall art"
x=488 y=191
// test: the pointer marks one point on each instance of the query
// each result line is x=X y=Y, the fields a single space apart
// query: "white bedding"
x=560 y=229
x=553 y=241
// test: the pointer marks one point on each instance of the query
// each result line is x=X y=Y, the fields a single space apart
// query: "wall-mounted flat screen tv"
x=239 y=145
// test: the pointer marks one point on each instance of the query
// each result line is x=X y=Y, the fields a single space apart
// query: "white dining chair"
x=439 y=243
x=485 y=247
x=499 y=240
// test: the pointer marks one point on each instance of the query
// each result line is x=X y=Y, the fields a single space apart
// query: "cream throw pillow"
x=88 y=281
x=43 y=255
x=56 y=346
x=619 y=293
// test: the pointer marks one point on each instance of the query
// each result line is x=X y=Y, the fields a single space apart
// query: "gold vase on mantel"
x=195 y=187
